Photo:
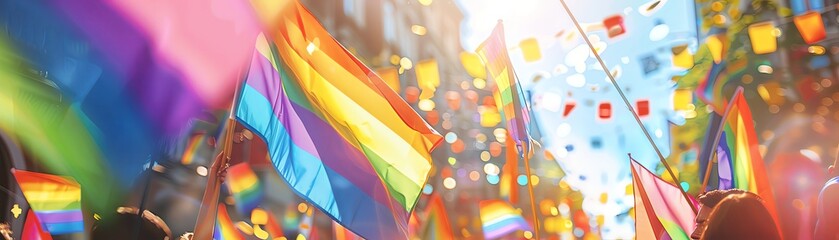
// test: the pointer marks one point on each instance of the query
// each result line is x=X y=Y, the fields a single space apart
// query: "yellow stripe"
x=243 y=183
x=51 y=196
x=358 y=112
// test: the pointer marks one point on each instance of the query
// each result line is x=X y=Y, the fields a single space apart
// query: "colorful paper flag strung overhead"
x=747 y=167
x=660 y=209
x=530 y=50
x=614 y=26
x=509 y=96
x=428 y=78
x=682 y=57
x=337 y=134
x=244 y=186
x=811 y=26
x=498 y=218
x=56 y=200
x=762 y=37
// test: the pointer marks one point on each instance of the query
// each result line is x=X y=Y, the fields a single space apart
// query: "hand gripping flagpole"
x=626 y=101
x=205 y=224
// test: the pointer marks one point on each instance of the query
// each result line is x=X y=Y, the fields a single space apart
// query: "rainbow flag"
x=244 y=186
x=509 y=97
x=225 y=230
x=437 y=221
x=129 y=74
x=499 y=219
x=747 y=167
x=32 y=228
x=56 y=200
x=338 y=135
x=710 y=90
x=661 y=212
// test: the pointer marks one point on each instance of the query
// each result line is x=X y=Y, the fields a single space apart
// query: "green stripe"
x=55 y=205
x=673 y=229
x=401 y=188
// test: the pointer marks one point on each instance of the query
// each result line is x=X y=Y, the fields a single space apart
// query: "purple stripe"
x=47 y=217
x=154 y=83
x=306 y=128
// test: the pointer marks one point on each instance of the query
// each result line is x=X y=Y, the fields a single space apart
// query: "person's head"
x=832 y=169
x=741 y=216
x=123 y=225
x=707 y=202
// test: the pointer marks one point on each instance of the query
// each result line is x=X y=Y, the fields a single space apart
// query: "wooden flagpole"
x=711 y=157
x=525 y=152
x=205 y=224
x=626 y=101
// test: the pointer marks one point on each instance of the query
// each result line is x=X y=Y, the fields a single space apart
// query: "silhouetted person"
x=707 y=202
x=741 y=216
x=123 y=225
x=827 y=225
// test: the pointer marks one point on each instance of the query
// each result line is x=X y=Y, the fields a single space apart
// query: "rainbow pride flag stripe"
x=499 y=219
x=56 y=200
x=337 y=134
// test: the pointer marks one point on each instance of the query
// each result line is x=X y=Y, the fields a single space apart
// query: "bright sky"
x=593 y=151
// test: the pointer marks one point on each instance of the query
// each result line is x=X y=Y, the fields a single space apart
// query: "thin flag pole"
x=525 y=152
x=708 y=168
x=525 y=155
x=626 y=101
x=205 y=224
x=718 y=135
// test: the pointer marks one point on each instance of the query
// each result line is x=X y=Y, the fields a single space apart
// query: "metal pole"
x=626 y=101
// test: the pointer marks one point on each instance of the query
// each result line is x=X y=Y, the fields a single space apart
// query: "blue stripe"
x=311 y=179
x=65 y=228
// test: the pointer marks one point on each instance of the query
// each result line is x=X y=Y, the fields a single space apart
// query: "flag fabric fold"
x=739 y=145
x=55 y=200
x=336 y=133
x=661 y=212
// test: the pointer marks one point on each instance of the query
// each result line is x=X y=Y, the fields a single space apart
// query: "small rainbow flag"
x=740 y=143
x=225 y=230
x=499 y=219
x=437 y=223
x=660 y=208
x=244 y=185
x=509 y=97
x=56 y=200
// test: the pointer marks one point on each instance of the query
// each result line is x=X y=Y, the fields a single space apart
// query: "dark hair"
x=712 y=198
x=741 y=216
x=123 y=226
